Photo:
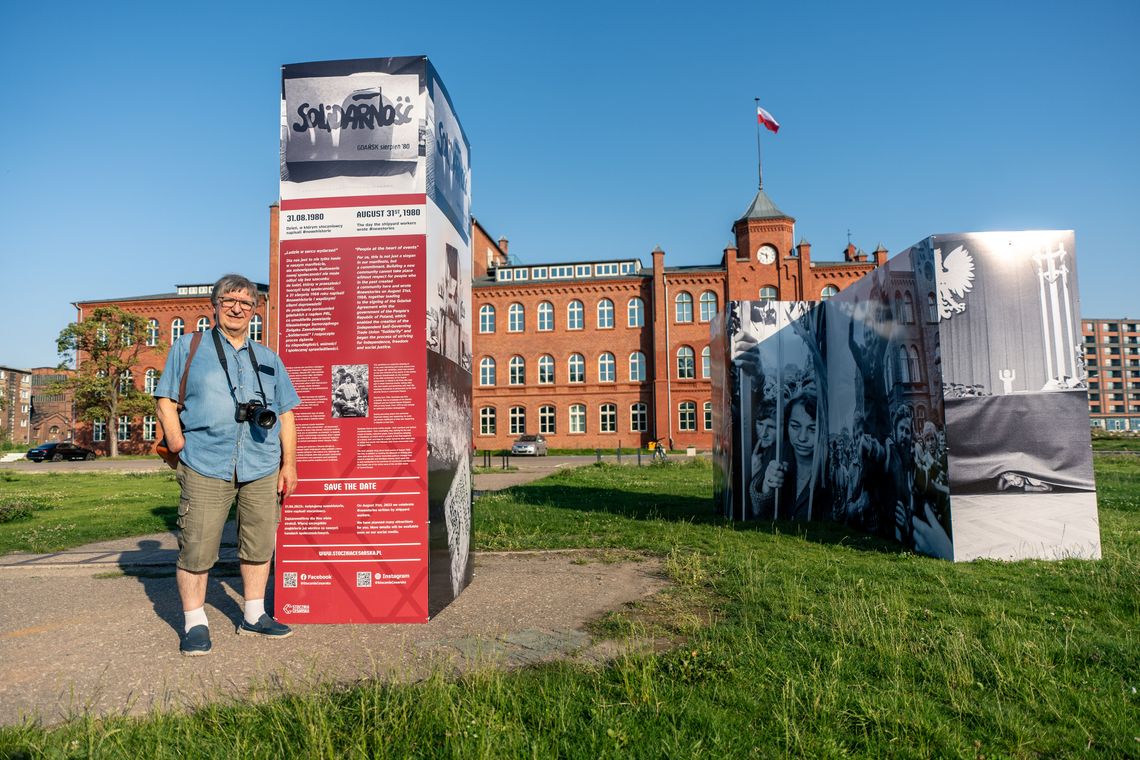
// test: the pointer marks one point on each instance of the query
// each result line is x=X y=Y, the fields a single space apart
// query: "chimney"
x=803 y=251
x=880 y=255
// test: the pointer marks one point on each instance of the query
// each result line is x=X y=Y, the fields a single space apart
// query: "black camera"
x=257 y=413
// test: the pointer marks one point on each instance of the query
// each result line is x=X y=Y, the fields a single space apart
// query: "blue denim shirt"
x=217 y=445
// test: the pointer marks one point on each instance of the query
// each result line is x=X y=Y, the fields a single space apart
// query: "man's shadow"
x=154 y=567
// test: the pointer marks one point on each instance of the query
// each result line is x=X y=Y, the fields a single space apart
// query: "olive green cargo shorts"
x=202 y=512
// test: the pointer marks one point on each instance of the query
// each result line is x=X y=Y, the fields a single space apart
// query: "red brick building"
x=53 y=410
x=169 y=316
x=610 y=352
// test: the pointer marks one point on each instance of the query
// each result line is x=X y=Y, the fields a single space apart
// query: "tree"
x=105 y=348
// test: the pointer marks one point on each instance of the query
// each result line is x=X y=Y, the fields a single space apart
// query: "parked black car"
x=57 y=452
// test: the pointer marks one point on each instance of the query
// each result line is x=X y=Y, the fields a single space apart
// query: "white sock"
x=195 y=617
x=254 y=609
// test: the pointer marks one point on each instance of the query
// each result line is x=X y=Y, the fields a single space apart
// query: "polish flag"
x=765 y=118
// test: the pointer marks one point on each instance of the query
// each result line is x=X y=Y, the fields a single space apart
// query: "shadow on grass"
x=168 y=514
x=695 y=510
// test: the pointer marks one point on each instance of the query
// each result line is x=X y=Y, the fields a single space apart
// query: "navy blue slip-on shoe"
x=266 y=626
x=196 y=641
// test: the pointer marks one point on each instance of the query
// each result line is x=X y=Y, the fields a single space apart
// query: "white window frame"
x=577 y=419
x=575 y=315
x=605 y=314
x=607 y=368
x=635 y=312
x=486 y=319
x=545 y=316
x=639 y=417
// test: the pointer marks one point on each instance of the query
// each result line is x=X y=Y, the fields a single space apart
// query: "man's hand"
x=287 y=481
x=287 y=477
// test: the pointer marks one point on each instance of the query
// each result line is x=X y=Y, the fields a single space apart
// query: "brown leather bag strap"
x=186 y=370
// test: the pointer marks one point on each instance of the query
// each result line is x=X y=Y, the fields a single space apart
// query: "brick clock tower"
x=759 y=260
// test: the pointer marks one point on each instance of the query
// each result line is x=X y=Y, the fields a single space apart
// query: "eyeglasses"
x=229 y=303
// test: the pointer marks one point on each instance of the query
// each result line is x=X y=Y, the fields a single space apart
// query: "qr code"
x=364 y=579
x=289 y=580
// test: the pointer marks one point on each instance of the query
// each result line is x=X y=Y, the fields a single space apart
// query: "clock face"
x=766 y=254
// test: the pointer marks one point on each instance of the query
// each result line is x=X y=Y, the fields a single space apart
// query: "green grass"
x=72 y=509
x=1130 y=443
x=813 y=644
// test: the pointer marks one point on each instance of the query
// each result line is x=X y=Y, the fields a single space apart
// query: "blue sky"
x=138 y=143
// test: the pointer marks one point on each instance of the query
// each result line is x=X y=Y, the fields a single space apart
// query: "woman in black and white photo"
x=790 y=488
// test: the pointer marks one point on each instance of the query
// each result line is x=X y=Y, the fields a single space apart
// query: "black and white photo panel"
x=940 y=401
x=1016 y=396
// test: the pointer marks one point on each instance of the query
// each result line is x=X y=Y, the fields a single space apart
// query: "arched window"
x=708 y=306
x=546 y=370
x=126 y=380
x=515 y=318
x=914 y=367
x=931 y=308
x=150 y=381
x=706 y=362
x=99 y=430
x=577 y=367
x=769 y=293
x=255 y=332
x=577 y=418
x=607 y=368
x=638 y=417
x=545 y=316
x=546 y=420
x=150 y=427
x=683 y=307
x=686 y=363
x=908 y=308
x=635 y=312
x=486 y=371
x=605 y=314
x=637 y=367
x=517 y=370
x=575 y=315
x=827 y=292
x=152 y=332
x=708 y=415
x=902 y=359
x=687 y=415
x=900 y=312
x=203 y=324
x=487 y=320
x=124 y=431
x=177 y=327
x=607 y=418
x=518 y=420
x=487 y=420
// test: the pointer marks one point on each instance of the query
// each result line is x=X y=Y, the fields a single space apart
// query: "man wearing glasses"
x=236 y=438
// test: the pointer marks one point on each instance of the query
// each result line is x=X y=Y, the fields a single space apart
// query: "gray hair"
x=231 y=282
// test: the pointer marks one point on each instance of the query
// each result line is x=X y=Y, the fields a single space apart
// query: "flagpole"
x=759 y=159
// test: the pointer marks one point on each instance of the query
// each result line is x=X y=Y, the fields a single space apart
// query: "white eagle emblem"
x=955 y=275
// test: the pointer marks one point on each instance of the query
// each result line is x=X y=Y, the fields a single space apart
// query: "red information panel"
x=373 y=283
x=352 y=545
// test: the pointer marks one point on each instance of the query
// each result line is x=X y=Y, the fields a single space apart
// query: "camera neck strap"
x=226 y=366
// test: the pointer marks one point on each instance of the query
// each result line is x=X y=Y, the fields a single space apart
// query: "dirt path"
x=72 y=642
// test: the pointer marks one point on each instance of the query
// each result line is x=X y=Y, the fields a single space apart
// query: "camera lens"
x=264 y=418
